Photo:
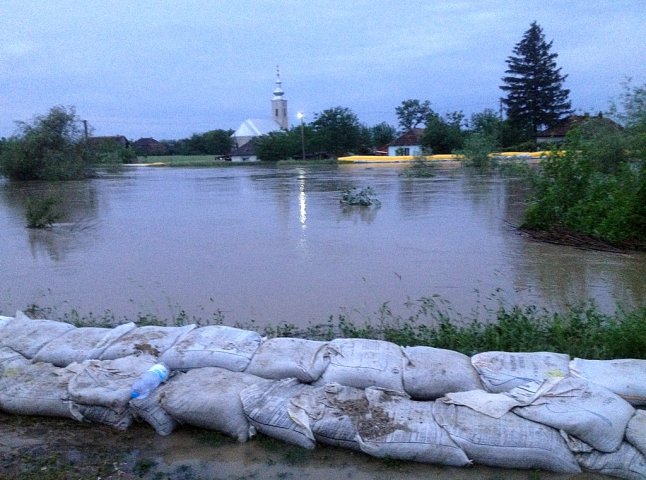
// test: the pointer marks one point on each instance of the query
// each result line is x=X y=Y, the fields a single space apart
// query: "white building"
x=255 y=127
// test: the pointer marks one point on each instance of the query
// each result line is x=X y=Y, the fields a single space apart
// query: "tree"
x=444 y=135
x=534 y=85
x=53 y=147
x=412 y=113
x=280 y=145
x=382 y=134
x=337 y=131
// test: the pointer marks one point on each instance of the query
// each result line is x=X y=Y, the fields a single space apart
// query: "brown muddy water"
x=268 y=245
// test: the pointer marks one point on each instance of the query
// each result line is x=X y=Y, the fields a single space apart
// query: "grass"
x=582 y=331
x=186 y=161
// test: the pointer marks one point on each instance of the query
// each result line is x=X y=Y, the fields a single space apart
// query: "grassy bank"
x=582 y=331
x=184 y=161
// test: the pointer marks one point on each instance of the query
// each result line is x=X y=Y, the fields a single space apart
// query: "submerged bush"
x=41 y=212
x=420 y=167
x=365 y=197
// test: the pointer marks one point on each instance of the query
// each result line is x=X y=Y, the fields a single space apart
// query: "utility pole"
x=85 y=129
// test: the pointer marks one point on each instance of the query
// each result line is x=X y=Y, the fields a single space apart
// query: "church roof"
x=254 y=127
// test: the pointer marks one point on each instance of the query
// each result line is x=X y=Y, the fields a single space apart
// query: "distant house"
x=149 y=146
x=558 y=132
x=246 y=153
x=255 y=127
x=410 y=143
x=109 y=142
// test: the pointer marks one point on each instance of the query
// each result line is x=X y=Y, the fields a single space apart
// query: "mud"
x=48 y=449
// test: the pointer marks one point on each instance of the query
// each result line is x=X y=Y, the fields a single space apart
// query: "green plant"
x=41 y=212
x=365 y=197
x=420 y=167
x=477 y=150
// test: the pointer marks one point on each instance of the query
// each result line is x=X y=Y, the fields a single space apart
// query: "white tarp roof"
x=254 y=127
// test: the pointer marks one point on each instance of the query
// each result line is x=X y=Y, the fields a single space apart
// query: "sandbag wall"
x=514 y=410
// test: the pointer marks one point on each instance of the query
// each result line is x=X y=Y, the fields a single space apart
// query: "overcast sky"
x=168 y=69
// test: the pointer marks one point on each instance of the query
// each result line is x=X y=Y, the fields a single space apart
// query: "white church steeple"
x=279 y=104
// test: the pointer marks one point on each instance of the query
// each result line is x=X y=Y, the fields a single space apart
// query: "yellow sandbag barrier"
x=523 y=410
x=438 y=157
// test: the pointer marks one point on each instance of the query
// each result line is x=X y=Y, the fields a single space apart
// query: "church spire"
x=279 y=103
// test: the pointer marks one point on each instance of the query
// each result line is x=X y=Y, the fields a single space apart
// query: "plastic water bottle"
x=149 y=381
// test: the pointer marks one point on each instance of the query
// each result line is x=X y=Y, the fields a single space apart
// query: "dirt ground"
x=47 y=449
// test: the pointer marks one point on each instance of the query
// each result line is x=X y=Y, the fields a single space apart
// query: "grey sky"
x=168 y=69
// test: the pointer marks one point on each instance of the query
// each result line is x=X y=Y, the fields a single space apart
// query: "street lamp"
x=300 y=116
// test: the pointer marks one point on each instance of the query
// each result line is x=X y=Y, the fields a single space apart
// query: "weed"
x=41 y=212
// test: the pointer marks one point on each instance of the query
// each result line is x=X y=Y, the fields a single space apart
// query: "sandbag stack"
x=538 y=410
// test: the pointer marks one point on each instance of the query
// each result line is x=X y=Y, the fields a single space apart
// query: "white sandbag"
x=9 y=355
x=209 y=397
x=362 y=363
x=279 y=358
x=213 y=346
x=119 y=419
x=331 y=413
x=430 y=373
x=626 y=463
x=107 y=383
x=502 y=371
x=150 y=410
x=150 y=340
x=584 y=410
x=636 y=431
x=84 y=343
x=266 y=406
x=627 y=377
x=27 y=336
x=381 y=423
x=4 y=321
x=509 y=441
x=28 y=388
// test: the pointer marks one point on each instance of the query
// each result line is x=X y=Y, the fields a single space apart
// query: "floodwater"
x=273 y=244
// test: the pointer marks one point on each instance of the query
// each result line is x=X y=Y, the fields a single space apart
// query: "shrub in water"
x=365 y=197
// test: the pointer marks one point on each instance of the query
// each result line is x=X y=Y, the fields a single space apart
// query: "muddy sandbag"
x=119 y=419
x=509 y=441
x=27 y=336
x=582 y=409
x=266 y=406
x=626 y=377
x=362 y=363
x=627 y=463
x=150 y=410
x=28 y=388
x=84 y=343
x=636 y=431
x=279 y=358
x=502 y=371
x=430 y=373
x=209 y=398
x=150 y=340
x=213 y=346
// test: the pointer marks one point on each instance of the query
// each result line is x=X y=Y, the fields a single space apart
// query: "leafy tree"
x=412 y=113
x=444 y=135
x=53 y=147
x=382 y=134
x=279 y=145
x=534 y=85
x=336 y=131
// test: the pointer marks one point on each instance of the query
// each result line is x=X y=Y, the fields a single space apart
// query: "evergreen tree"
x=535 y=95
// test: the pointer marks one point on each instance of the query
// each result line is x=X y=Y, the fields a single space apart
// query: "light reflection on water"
x=274 y=245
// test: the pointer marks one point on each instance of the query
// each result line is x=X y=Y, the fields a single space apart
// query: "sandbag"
x=279 y=358
x=119 y=419
x=626 y=377
x=582 y=409
x=213 y=346
x=266 y=406
x=150 y=410
x=430 y=373
x=502 y=371
x=4 y=321
x=150 y=340
x=509 y=441
x=209 y=397
x=627 y=463
x=80 y=344
x=636 y=431
x=27 y=336
x=107 y=383
x=362 y=363
x=28 y=388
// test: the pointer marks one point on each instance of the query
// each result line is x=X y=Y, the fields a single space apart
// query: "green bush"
x=41 y=212
x=365 y=197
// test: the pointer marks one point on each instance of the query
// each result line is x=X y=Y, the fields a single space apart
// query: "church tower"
x=279 y=104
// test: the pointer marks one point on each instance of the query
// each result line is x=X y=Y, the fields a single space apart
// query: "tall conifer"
x=536 y=98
